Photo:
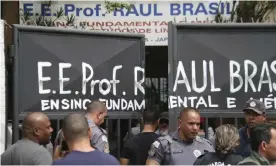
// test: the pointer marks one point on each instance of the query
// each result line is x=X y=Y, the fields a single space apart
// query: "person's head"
x=189 y=123
x=97 y=112
x=164 y=123
x=75 y=129
x=226 y=139
x=263 y=140
x=254 y=111
x=150 y=117
x=37 y=127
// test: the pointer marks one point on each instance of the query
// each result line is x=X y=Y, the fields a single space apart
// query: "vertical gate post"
x=2 y=88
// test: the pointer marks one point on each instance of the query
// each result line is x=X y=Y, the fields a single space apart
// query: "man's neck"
x=31 y=139
x=92 y=119
x=148 y=128
x=182 y=137
x=81 y=145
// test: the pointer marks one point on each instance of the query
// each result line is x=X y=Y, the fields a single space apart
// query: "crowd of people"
x=82 y=142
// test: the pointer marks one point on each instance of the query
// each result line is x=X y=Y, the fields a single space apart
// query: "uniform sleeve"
x=156 y=151
x=99 y=141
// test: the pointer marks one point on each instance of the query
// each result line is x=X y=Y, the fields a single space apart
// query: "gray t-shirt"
x=26 y=152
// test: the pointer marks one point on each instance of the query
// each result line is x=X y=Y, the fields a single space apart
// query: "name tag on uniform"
x=197 y=153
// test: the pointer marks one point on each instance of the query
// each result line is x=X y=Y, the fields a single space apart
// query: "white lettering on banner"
x=252 y=78
x=180 y=71
x=149 y=18
x=80 y=104
x=105 y=87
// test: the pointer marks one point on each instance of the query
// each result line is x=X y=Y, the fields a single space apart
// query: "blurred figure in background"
x=226 y=140
x=134 y=130
x=163 y=126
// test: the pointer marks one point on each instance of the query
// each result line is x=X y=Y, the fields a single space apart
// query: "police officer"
x=96 y=113
x=183 y=146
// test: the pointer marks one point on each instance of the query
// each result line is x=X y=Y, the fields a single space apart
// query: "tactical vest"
x=180 y=153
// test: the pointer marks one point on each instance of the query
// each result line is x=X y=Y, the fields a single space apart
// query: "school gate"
x=59 y=71
x=218 y=67
x=218 y=61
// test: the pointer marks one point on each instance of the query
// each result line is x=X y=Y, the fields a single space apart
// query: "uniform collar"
x=175 y=136
x=260 y=159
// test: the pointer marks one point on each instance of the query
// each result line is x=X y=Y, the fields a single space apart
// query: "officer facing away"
x=183 y=146
x=96 y=113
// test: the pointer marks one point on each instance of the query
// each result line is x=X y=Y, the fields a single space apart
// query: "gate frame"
x=17 y=115
x=173 y=59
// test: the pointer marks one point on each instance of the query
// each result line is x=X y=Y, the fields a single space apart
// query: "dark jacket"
x=213 y=158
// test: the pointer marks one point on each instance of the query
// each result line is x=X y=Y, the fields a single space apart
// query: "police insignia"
x=253 y=104
x=197 y=153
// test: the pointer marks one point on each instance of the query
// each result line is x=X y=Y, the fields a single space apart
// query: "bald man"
x=183 y=146
x=36 y=131
x=76 y=133
x=96 y=113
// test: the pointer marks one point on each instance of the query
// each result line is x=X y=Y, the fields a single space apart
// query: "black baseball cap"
x=256 y=106
x=164 y=115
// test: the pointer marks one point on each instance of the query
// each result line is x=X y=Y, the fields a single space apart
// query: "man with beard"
x=36 y=131
x=255 y=113
x=183 y=146
x=163 y=126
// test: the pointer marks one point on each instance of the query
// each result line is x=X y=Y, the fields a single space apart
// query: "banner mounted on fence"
x=221 y=66
x=149 y=18
x=60 y=70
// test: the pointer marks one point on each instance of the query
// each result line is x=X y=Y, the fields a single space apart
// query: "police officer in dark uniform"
x=183 y=146
x=96 y=113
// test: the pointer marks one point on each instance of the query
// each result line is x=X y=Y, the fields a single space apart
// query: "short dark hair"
x=75 y=126
x=150 y=117
x=186 y=110
x=95 y=106
x=259 y=133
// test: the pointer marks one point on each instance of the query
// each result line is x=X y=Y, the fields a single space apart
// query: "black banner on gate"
x=220 y=67
x=62 y=70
